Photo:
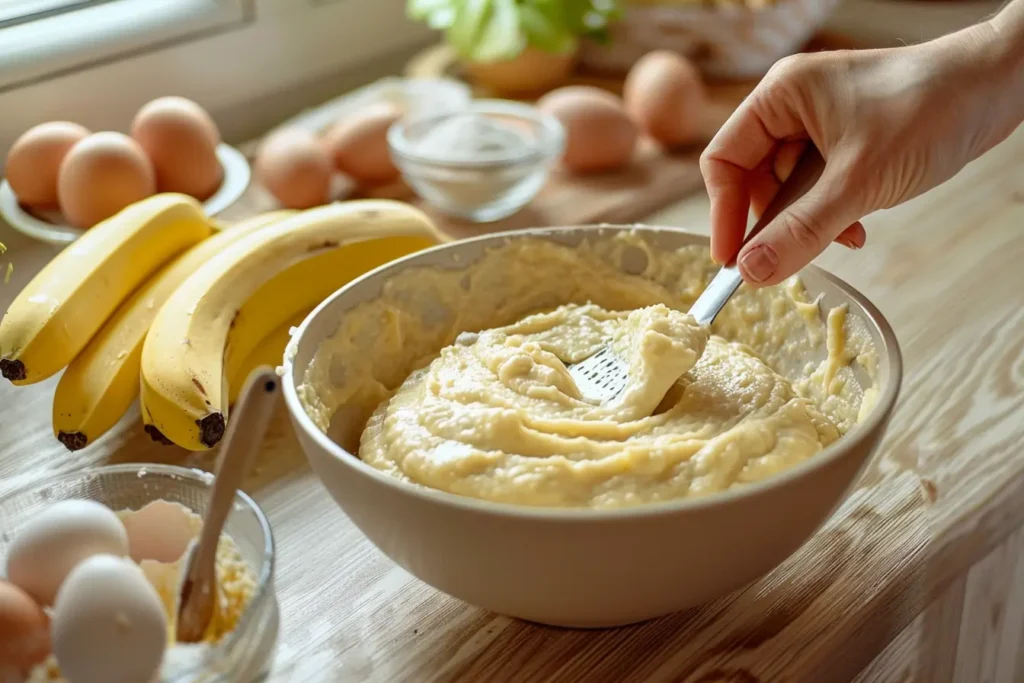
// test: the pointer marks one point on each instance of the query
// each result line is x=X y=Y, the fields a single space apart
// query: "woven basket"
x=728 y=41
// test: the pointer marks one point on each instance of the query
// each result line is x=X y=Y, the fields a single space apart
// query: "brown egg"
x=359 y=144
x=34 y=161
x=599 y=136
x=665 y=96
x=24 y=630
x=181 y=140
x=101 y=175
x=295 y=167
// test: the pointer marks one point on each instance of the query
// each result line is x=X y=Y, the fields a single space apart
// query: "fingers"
x=854 y=237
x=729 y=192
x=766 y=180
x=746 y=141
x=786 y=157
x=739 y=147
x=800 y=233
x=751 y=155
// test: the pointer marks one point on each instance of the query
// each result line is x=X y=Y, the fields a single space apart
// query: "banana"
x=183 y=383
x=303 y=285
x=100 y=384
x=269 y=351
x=66 y=303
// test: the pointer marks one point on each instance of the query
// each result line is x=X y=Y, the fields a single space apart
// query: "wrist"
x=1006 y=31
x=986 y=65
x=1006 y=39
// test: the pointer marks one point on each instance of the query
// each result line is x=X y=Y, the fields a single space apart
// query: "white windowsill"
x=50 y=46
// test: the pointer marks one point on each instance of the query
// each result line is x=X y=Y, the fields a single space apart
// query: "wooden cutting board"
x=654 y=180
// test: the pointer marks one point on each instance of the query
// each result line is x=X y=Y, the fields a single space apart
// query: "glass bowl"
x=242 y=655
x=481 y=163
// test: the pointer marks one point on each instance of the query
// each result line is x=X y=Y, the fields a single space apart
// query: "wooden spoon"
x=246 y=428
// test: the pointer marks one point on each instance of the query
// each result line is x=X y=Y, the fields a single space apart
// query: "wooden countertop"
x=946 y=489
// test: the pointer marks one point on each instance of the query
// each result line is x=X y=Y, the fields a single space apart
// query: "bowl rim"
x=550 y=145
x=264 y=579
x=876 y=420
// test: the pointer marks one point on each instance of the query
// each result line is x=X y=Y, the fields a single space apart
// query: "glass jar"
x=246 y=652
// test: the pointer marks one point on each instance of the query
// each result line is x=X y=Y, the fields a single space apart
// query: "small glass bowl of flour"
x=481 y=163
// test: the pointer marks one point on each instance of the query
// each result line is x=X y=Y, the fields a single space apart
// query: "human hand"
x=891 y=124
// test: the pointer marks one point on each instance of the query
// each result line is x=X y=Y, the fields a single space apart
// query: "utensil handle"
x=247 y=425
x=805 y=174
x=246 y=428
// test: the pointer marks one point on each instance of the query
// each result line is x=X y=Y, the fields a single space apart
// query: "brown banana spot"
x=13 y=370
x=157 y=435
x=211 y=429
x=73 y=441
x=199 y=385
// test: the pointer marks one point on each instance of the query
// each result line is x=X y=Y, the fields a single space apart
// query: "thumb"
x=799 y=233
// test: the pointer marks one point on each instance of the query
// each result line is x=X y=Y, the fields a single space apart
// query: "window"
x=97 y=61
x=19 y=11
x=72 y=34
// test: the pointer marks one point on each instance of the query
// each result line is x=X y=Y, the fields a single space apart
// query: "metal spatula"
x=603 y=376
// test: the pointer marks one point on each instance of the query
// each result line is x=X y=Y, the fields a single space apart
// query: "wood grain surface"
x=918 y=577
x=945 y=492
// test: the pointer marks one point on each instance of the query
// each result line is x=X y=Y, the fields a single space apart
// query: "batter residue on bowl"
x=460 y=379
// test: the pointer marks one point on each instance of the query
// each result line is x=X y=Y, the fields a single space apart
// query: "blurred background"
x=254 y=63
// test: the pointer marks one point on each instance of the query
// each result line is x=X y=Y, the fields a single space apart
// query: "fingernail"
x=759 y=263
x=847 y=242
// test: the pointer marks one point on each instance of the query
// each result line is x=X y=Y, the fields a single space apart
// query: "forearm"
x=985 y=64
x=1007 y=30
x=1009 y=24
x=1006 y=44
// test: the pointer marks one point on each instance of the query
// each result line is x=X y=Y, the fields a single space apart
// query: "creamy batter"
x=460 y=379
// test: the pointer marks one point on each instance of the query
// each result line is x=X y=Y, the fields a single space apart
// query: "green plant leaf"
x=496 y=30
x=591 y=17
x=543 y=33
x=553 y=11
x=487 y=31
x=468 y=24
x=503 y=37
x=426 y=10
x=442 y=19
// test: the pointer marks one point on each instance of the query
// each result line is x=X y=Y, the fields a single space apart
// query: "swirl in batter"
x=456 y=379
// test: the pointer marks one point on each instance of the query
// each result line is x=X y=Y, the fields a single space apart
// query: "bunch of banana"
x=284 y=300
x=243 y=300
x=66 y=303
x=101 y=383
x=269 y=351
x=148 y=304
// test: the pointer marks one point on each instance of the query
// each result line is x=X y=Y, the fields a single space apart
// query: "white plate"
x=50 y=227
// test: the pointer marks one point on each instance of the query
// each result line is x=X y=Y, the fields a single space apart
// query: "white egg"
x=49 y=546
x=108 y=623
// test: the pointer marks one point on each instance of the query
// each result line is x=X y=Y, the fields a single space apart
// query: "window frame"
x=107 y=31
x=251 y=64
x=35 y=10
